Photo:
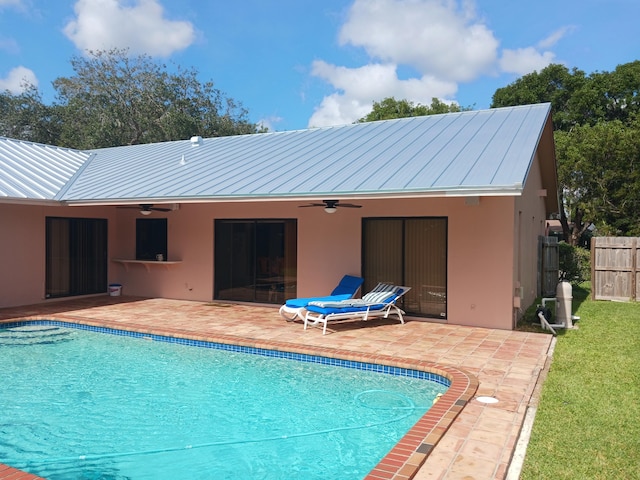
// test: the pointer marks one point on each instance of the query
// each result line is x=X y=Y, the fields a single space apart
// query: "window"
x=151 y=238
x=76 y=256
x=411 y=252
x=255 y=260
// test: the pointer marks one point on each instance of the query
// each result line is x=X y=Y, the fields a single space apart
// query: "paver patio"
x=479 y=444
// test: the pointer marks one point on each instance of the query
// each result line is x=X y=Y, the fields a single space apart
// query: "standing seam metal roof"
x=34 y=171
x=487 y=151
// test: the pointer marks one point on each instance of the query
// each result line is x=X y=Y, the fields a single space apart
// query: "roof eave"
x=512 y=190
x=41 y=202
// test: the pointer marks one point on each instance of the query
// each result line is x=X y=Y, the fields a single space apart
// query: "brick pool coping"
x=402 y=462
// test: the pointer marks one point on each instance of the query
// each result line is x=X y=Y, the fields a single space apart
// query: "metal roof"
x=476 y=152
x=32 y=171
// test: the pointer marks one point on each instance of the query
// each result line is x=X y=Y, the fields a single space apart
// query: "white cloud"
x=17 y=79
x=529 y=59
x=269 y=122
x=525 y=60
x=556 y=36
x=141 y=28
x=358 y=88
x=444 y=41
x=432 y=36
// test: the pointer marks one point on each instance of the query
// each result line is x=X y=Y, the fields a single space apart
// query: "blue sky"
x=309 y=63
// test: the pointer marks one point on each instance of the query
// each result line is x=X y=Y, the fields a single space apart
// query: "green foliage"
x=555 y=84
x=587 y=423
x=610 y=96
x=575 y=263
x=390 y=108
x=576 y=98
x=596 y=120
x=25 y=117
x=114 y=99
x=600 y=173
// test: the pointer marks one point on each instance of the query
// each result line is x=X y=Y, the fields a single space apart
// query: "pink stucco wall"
x=22 y=255
x=481 y=263
x=529 y=224
x=22 y=248
x=327 y=248
x=484 y=268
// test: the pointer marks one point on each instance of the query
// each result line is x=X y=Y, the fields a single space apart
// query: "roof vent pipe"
x=195 y=141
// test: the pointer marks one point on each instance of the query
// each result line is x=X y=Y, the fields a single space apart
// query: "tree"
x=554 y=84
x=601 y=177
x=611 y=95
x=25 y=117
x=114 y=99
x=391 y=108
x=596 y=125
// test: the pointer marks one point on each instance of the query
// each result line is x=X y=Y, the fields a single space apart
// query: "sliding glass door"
x=76 y=256
x=255 y=260
x=410 y=252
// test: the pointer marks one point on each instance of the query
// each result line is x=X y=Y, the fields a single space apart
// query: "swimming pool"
x=191 y=431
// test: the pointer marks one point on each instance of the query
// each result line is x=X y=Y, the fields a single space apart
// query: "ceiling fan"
x=330 y=206
x=147 y=208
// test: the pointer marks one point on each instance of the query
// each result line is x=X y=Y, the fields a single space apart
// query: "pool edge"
x=403 y=461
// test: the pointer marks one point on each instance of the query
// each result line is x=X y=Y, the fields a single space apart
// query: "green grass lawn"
x=588 y=421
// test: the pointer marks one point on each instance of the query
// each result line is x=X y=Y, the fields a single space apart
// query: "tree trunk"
x=577 y=228
x=566 y=230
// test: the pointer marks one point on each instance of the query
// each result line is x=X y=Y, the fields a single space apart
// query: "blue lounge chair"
x=347 y=288
x=380 y=302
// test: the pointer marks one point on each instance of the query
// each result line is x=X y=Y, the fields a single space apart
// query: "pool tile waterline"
x=416 y=345
x=300 y=357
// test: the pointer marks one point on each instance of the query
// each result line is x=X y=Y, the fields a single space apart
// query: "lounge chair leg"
x=290 y=314
x=313 y=321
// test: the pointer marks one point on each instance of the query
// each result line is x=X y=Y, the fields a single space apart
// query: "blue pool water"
x=78 y=404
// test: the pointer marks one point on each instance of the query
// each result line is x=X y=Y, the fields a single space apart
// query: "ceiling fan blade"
x=145 y=207
x=331 y=204
x=150 y=208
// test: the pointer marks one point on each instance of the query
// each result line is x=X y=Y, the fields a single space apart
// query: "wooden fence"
x=615 y=268
x=548 y=266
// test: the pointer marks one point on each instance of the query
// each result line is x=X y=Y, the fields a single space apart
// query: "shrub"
x=575 y=263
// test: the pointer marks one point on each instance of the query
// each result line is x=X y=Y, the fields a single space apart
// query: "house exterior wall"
x=529 y=224
x=22 y=253
x=480 y=264
x=328 y=247
x=23 y=248
x=481 y=256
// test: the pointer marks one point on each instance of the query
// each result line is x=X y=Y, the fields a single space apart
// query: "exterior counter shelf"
x=146 y=263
